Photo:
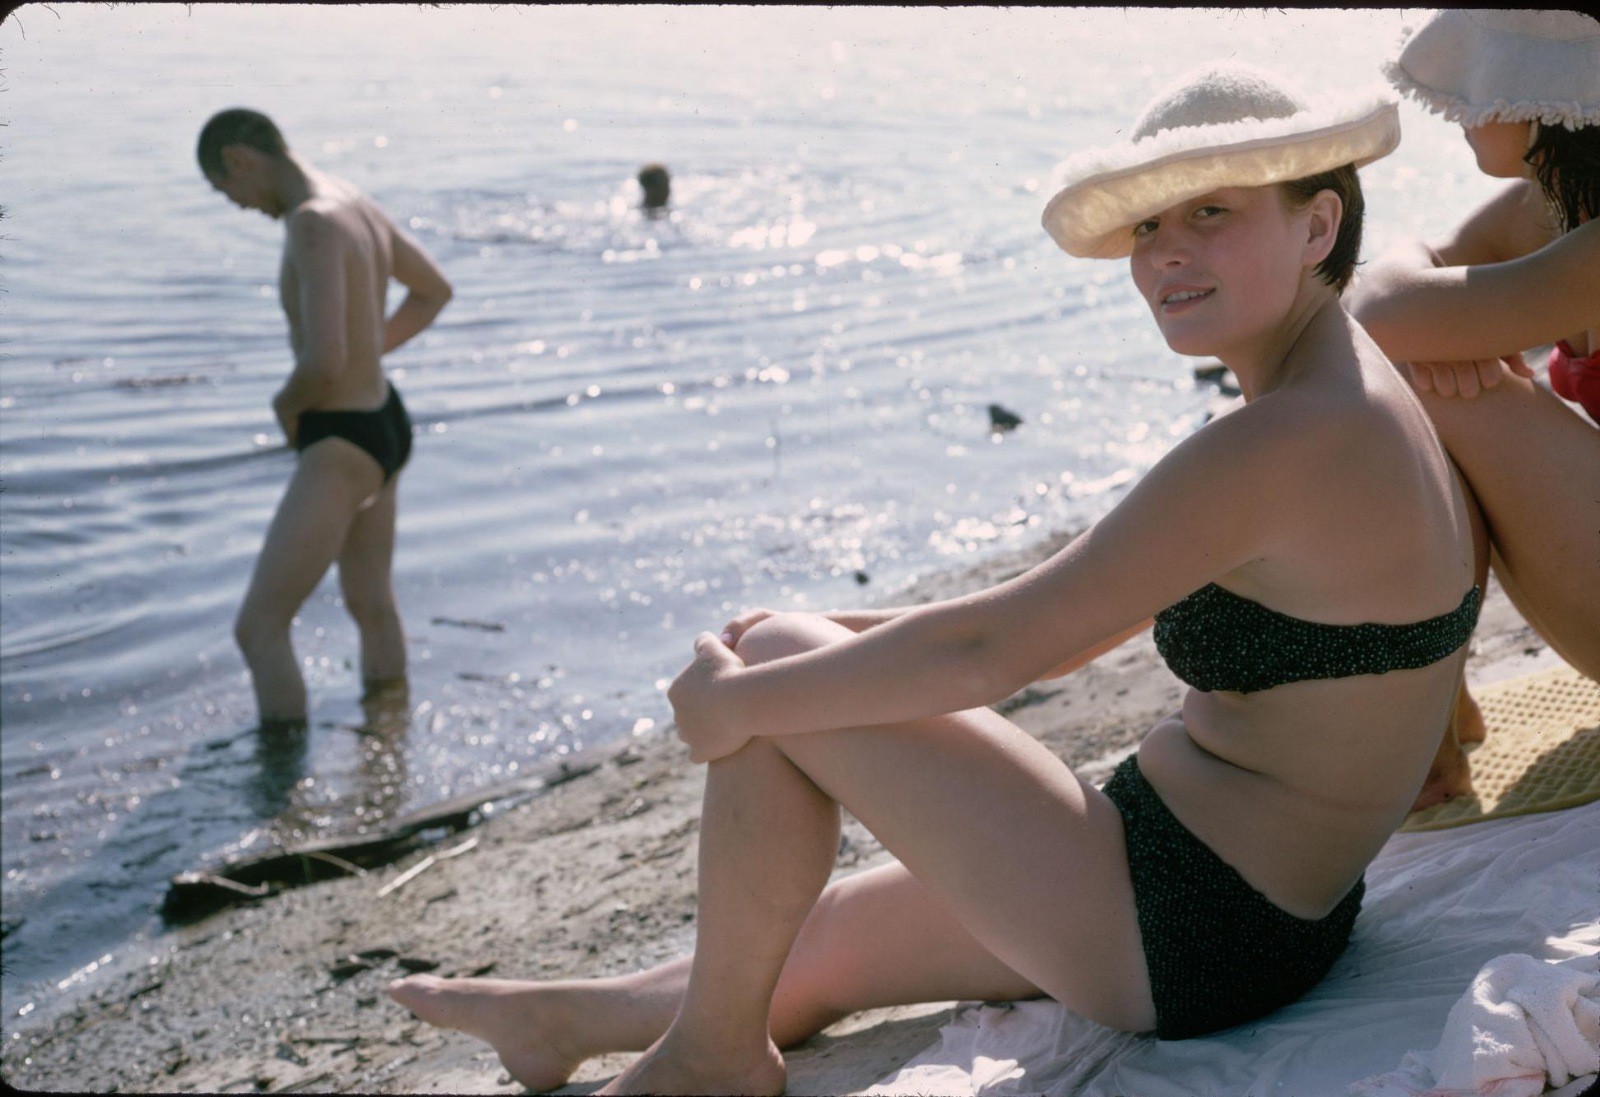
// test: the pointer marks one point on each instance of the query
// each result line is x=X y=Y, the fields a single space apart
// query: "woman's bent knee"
x=785 y=634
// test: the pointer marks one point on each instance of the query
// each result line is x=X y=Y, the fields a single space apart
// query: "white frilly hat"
x=1226 y=125
x=1484 y=66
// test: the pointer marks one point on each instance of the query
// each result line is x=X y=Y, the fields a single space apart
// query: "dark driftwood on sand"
x=194 y=895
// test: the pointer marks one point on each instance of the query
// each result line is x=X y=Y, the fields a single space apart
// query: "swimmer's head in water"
x=1225 y=125
x=656 y=184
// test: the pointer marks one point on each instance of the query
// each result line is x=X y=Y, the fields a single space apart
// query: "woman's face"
x=1220 y=271
x=1500 y=147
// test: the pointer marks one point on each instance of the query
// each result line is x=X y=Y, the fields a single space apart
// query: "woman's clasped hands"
x=1466 y=379
x=698 y=695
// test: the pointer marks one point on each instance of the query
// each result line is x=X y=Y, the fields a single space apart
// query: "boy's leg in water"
x=331 y=480
x=366 y=567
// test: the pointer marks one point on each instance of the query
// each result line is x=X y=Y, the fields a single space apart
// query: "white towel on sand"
x=1440 y=905
x=1522 y=1022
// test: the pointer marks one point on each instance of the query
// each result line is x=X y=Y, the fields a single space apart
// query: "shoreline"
x=593 y=877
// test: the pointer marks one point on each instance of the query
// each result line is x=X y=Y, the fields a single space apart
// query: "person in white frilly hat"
x=1521 y=272
x=1317 y=601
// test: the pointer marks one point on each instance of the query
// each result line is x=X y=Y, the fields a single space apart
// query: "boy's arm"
x=429 y=290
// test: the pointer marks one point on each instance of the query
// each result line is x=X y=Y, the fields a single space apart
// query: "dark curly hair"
x=1566 y=162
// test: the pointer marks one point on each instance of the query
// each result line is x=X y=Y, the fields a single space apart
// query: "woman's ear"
x=1326 y=211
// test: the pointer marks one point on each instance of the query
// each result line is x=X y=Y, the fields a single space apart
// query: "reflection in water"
x=281 y=761
x=381 y=772
x=296 y=806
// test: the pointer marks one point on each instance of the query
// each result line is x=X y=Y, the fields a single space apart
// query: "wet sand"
x=596 y=876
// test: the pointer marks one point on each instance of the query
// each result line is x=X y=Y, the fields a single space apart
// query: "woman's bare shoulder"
x=1515 y=222
x=1585 y=241
x=1274 y=445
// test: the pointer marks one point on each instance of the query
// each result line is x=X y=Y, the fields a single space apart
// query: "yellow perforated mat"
x=1542 y=752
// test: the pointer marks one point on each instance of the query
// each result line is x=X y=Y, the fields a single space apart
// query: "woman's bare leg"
x=877 y=938
x=1036 y=833
x=1450 y=775
x=1534 y=467
x=768 y=837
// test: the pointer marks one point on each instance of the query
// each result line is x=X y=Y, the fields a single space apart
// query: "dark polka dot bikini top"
x=1216 y=639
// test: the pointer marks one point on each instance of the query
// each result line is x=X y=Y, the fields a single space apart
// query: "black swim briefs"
x=1219 y=952
x=384 y=433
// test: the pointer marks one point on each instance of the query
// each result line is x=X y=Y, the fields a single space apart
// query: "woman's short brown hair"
x=1339 y=266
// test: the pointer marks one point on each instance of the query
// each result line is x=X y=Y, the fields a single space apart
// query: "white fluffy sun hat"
x=1503 y=66
x=1226 y=125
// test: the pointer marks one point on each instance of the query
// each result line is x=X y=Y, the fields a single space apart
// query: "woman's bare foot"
x=530 y=1025
x=668 y=1068
x=1450 y=775
x=1468 y=718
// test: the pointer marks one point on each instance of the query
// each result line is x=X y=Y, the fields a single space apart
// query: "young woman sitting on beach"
x=1521 y=272
x=1308 y=560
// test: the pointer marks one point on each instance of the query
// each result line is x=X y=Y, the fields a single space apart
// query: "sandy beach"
x=595 y=876
x=626 y=426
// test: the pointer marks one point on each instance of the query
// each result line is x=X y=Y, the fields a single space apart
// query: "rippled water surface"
x=628 y=427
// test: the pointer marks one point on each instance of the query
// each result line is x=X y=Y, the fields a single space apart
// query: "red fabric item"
x=1576 y=379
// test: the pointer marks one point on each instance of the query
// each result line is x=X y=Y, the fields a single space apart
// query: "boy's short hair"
x=1339 y=265
x=237 y=126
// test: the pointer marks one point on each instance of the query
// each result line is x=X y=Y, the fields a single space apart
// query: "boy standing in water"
x=336 y=409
